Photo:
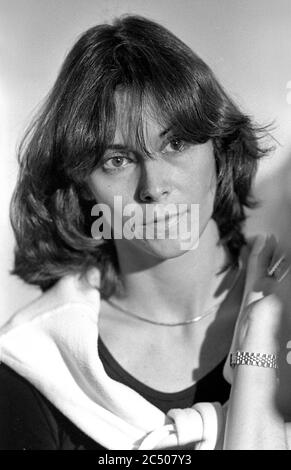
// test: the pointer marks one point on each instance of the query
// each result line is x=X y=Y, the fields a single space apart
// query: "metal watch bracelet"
x=253 y=359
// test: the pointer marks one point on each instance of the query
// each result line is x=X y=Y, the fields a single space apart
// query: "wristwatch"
x=253 y=359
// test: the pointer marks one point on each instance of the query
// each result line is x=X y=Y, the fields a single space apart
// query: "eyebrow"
x=125 y=147
x=117 y=147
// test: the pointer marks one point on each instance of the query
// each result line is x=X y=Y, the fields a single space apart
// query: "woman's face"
x=177 y=173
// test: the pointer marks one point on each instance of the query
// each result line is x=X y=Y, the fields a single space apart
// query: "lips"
x=169 y=220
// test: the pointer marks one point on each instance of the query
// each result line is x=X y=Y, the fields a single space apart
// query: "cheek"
x=201 y=173
x=103 y=190
x=104 y=194
x=203 y=185
x=115 y=195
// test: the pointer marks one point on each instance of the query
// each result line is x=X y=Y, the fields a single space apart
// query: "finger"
x=283 y=289
x=272 y=262
x=279 y=267
x=265 y=250
x=262 y=287
x=266 y=256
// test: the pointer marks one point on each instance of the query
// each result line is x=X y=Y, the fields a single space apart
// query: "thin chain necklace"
x=213 y=309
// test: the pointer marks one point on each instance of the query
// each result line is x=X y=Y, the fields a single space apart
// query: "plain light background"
x=246 y=42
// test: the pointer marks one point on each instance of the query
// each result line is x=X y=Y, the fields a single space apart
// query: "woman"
x=125 y=348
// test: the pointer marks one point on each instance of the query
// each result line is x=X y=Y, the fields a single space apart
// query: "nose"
x=155 y=184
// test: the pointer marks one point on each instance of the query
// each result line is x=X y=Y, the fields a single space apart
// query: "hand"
x=261 y=312
x=259 y=402
x=265 y=325
x=259 y=326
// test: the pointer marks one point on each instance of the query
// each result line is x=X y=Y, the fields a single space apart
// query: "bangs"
x=132 y=107
x=178 y=92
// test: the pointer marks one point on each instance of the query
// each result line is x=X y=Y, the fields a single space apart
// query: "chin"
x=166 y=249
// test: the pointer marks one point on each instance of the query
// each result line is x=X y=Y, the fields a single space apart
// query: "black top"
x=29 y=421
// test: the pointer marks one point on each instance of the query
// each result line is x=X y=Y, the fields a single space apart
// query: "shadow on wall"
x=274 y=213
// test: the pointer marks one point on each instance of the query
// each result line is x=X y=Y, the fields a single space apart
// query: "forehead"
x=136 y=120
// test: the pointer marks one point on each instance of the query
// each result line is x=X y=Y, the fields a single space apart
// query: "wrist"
x=259 y=337
x=263 y=375
x=260 y=343
x=261 y=347
x=246 y=358
x=257 y=368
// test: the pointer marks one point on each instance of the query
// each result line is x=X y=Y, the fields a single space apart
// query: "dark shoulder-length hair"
x=51 y=207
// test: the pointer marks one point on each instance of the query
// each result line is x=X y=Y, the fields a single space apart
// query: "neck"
x=180 y=288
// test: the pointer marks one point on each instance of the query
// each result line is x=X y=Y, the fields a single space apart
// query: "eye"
x=117 y=162
x=175 y=144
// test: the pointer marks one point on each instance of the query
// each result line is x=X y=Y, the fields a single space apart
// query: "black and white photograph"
x=145 y=227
